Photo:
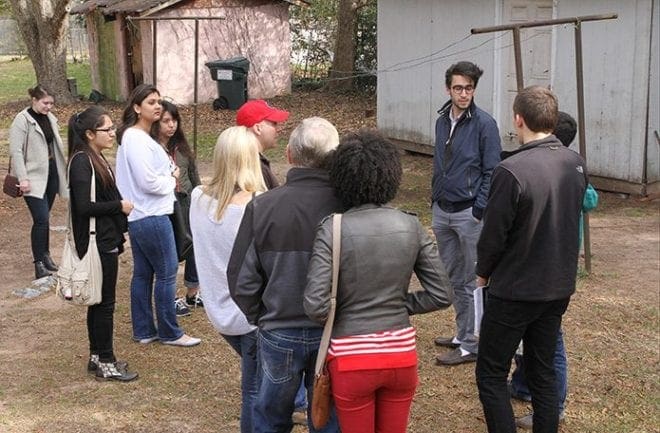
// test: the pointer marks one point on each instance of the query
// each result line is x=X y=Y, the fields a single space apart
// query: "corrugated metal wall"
x=418 y=40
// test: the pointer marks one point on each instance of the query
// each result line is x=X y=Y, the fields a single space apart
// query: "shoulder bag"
x=79 y=281
x=11 y=186
x=321 y=397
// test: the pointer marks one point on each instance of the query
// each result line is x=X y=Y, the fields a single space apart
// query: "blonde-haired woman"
x=216 y=211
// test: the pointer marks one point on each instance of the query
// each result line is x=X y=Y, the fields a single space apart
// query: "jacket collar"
x=309 y=176
x=548 y=141
x=444 y=111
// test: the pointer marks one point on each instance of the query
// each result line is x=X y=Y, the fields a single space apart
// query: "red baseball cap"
x=256 y=110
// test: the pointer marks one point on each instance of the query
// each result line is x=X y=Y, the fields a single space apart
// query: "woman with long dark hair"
x=90 y=133
x=37 y=160
x=169 y=133
x=147 y=177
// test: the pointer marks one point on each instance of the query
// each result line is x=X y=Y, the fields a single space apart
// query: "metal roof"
x=110 y=7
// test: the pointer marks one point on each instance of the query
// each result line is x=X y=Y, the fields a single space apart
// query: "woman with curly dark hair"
x=372 y=358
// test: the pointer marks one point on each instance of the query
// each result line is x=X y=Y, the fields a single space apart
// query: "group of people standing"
x=263 y=259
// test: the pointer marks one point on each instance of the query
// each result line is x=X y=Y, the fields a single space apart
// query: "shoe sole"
x=115 y=379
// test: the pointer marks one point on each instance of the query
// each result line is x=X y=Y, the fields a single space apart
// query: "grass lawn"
x=18 y=75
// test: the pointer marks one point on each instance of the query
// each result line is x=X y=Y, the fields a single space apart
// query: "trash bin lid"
x=235 y=63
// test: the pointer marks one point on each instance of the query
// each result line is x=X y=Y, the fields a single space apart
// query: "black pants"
x=503 y=325
x=100 y=323
x=40 y=211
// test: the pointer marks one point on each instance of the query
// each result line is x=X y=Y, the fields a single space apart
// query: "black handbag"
x=182 y=236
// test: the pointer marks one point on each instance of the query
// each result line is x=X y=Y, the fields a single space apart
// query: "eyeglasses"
x=108 y=129
x=459 y=89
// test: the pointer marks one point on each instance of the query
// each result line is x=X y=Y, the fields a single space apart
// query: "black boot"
x=40 y=270
x=49 y=263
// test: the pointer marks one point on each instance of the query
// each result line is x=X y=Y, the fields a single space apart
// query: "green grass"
x=17 y=76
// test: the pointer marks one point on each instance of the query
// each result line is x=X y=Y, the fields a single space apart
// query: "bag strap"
x=327 y=329
x=92 y=194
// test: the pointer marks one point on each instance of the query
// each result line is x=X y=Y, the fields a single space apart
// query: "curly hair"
x=365 y=168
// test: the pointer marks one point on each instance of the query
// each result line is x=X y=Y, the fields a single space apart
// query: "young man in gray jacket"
x=467 y=149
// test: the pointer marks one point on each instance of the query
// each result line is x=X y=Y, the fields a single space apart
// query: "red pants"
x=373 y=401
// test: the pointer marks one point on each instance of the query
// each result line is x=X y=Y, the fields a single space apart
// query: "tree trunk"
x=43 y=25
x=341 y=72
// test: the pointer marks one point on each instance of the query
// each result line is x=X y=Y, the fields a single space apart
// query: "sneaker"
x=146 y=340
x=93 y=364
x=194 y=301
x=455 y=357
x=181 y=307
x=109 y=371
x=527 y=422
x=184 y=341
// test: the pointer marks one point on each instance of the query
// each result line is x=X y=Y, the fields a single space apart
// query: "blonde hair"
x=236 y=167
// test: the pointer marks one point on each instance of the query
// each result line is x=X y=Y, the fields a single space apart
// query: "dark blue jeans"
x=246 y=347
x=154 y=255
x=519 y=382
x=285 y=357
x=503 y=325
x=40 y=211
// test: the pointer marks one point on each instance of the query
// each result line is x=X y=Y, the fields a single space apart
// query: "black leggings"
x=100 y=322
x=40 y=211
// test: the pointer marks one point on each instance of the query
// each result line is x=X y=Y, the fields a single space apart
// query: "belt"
x=454 y=206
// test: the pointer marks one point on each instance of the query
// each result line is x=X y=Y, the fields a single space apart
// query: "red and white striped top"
x=386 y=349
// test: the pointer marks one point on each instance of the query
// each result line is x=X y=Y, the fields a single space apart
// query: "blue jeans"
x=246 y=347
x=154 y=255
x=457 y=235
x=285 y=356
x=503 y=325
x=519 y=382
x=40 y=211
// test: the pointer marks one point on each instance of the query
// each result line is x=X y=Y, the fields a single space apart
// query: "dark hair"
x=79 y=124
x=365 y=168
x=178 y=140
x=129 y=116
x=466 y=69
x=39 y=92
x=566 y=128
x=538 y=107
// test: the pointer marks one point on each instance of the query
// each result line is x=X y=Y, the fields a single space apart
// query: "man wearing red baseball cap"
x=263 y=120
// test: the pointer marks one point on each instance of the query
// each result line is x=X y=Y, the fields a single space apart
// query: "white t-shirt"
x=213 y=241
x=144 y=175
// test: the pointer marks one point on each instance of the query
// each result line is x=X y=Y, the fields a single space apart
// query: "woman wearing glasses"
x=37 y=160
x=90 y=133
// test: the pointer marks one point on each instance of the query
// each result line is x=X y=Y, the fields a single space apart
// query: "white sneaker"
x=184 y=341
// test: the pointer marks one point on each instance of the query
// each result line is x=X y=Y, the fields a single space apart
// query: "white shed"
x=419 y=39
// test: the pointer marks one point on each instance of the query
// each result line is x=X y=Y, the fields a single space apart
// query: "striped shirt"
x=386 y=349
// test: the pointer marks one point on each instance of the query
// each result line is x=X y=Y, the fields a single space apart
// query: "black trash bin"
x=231 y=75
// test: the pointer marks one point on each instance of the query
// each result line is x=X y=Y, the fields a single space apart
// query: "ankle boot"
x=40 y=270
x=109 y=371
x=49 y=263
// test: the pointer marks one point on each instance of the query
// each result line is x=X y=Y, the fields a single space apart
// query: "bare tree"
x=43 y=25
x=344 y=58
